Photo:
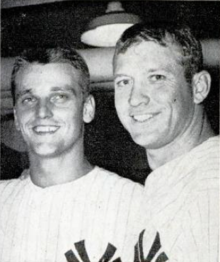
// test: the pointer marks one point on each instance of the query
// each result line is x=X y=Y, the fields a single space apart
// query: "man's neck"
x=195 y=135
x=51 y=171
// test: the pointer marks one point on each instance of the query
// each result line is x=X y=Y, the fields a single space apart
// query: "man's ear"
x=17 y=125
x=89 y=109
x=201 y=84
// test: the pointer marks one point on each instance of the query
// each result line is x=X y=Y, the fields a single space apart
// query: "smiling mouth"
x=43 y=130
x=143 y=117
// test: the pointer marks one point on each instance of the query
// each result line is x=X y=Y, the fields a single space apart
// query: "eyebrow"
x=158 y=69
x=54 y=89
x=67 y=88
x=22 y=93
x=122 y=75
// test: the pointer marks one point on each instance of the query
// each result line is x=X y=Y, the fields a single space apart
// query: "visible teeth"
x=142 y=118
x=45 y=128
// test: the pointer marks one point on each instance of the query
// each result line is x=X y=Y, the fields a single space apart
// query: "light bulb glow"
x=104 y=36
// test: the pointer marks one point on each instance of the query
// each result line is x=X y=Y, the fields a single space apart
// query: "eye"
x=28 y=100
x=59 y=98
x=123 y=82
x=157 y=77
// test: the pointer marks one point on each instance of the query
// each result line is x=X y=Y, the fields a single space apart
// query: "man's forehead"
x=36 y=66
x=149 y=51
x=47 y=69
x=42 y=78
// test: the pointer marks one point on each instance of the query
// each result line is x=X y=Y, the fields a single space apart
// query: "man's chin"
x=45 y=151
x=146 y=141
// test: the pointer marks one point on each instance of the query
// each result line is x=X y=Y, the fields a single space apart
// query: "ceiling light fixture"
x=105 y=30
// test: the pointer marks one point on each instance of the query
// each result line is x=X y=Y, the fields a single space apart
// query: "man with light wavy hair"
x=160 y=86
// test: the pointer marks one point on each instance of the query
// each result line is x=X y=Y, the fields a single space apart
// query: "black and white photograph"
x=109 y=131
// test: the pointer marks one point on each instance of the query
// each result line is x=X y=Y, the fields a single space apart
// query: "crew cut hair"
x=51 y=55
x=165 y=35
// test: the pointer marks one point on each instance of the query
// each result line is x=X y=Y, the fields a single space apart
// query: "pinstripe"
x=98 y=208
x=182 y=197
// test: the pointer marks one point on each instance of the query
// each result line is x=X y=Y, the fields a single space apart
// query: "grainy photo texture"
x=109 y=131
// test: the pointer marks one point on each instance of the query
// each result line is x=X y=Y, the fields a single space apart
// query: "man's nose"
x=138 y=96
x=44 y=109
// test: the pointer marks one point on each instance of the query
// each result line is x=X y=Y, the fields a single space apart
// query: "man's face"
x=49 y=108
x=152 y=98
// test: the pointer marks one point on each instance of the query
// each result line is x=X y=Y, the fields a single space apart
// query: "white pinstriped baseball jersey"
x=94 y=216
x=182 y=207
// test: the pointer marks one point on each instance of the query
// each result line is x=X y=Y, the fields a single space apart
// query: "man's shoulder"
x=187 y=177
x=113 y=178
x=117 y=191
x=204 y=155
x=199 y=164
x=211 y=145
x=9 y=183
x=9 y=186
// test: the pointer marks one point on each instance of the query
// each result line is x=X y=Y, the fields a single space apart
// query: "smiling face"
x=152 y=98
x=50 y=110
